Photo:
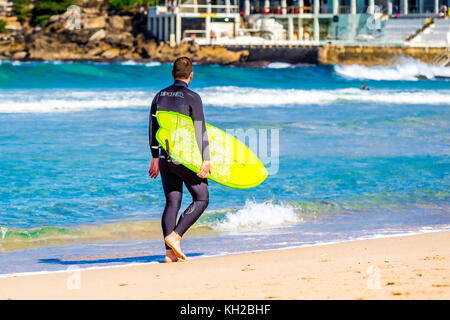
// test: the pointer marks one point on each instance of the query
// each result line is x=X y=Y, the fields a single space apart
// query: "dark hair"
x=182 y=68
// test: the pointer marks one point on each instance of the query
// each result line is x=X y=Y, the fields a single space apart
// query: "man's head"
x=182 y=69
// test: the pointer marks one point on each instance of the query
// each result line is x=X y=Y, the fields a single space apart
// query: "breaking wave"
x=60 y=62
x=247 y=97
x=12 y=239
x=409 y=70
x=255 y=216
x=22 y=101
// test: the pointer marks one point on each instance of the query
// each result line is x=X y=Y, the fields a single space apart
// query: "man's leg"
x=173 y=190
x=198 y=188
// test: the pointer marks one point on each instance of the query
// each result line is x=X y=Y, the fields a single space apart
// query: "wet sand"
x=403 y=267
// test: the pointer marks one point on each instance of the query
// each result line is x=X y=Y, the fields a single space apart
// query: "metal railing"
x=208 y=8
x=192 y=34
x=198 y=8
x=281 y=10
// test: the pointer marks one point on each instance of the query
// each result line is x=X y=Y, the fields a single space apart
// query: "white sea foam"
x=60 y=100
x=60 y=62
x=70 y=100
x=20 y=63
x=136 y=63
x=279 y=65
x=248 y=97
x=408 y=70
x=258 y=216
x=3 y=231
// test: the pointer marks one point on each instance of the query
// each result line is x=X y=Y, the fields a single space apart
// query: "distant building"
x=292 y=22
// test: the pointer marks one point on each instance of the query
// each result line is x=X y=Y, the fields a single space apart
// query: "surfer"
x=364 y=87
x=179 y=98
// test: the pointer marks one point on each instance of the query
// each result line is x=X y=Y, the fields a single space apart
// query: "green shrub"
x=46 y=8
x=21 y=9
x=127 y=5
x=2 y=26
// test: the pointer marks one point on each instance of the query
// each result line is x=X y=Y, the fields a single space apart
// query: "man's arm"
x=153 y=127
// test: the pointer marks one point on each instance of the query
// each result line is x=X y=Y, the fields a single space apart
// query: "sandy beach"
x=402 y=267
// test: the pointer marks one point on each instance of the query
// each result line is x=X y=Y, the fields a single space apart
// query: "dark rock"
x=19 y=55
x=111 y=53
x=120 y=40
x=116 y=22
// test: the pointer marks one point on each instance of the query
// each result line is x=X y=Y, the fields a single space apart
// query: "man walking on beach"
x=180 y=99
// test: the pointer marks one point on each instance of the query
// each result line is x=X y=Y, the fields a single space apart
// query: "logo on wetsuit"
x=177 y=94
x=189 y=209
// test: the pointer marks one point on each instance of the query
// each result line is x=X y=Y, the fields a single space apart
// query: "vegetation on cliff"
x=38 y=12
x=2 y=26
x=129 y=5
x=44 y=9
x=21 y=9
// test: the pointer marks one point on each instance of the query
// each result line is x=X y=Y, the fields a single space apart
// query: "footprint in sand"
x=436 y=257
x=248 y=269
x=271 y=284
x=440 y=285
x=400 y=293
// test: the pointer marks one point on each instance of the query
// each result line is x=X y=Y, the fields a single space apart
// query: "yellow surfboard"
x=233 y=164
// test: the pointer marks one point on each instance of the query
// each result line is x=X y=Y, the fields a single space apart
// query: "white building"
x=284 y=22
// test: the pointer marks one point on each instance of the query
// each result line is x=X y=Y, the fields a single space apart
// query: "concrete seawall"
x=294 y=55
x=376 y=55
x=332 y=54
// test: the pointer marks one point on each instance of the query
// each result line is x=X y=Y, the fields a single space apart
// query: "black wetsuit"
x=179 y=98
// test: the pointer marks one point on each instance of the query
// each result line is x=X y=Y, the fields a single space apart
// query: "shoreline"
x=149 y=230
x=308 y=245
x=397 y=260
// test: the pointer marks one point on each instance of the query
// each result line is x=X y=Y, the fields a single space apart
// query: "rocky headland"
x=101 y=36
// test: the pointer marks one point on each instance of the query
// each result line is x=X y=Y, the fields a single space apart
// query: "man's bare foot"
x=170 y=256
x=173 y=241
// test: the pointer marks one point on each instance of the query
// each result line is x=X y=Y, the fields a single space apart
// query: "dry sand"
x=405 y=267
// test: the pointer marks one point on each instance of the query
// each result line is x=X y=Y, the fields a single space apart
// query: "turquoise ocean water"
x=74 y=190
